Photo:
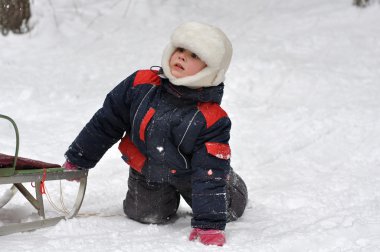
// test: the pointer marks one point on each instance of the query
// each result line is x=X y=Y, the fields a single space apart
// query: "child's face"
x=185 y=63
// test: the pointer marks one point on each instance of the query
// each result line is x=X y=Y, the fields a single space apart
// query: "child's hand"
x=208 y=236
x=70 y=167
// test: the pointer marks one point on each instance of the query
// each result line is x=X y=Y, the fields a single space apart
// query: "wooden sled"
x=15 y=171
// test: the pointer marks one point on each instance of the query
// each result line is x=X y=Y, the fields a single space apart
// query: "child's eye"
x=194 y=56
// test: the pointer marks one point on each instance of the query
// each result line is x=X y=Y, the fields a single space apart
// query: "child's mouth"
x=177 y=65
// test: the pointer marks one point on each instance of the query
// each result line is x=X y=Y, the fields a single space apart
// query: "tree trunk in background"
x=361 y=3
x=14 y=16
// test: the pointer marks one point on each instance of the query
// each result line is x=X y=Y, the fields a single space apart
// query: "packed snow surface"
x=303 y=93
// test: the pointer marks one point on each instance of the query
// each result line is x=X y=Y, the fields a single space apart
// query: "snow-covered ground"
x=303 y=92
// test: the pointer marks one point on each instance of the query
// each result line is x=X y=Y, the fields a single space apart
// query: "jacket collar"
x=205 y=94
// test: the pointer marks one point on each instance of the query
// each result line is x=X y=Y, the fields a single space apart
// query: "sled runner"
x=15 y=171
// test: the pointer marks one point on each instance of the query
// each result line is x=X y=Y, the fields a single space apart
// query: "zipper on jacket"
x=137 y=110
x=183 y=137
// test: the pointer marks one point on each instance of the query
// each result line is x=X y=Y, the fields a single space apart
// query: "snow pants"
x=157 y=203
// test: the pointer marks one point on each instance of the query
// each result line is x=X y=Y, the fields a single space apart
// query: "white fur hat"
x=210 y=44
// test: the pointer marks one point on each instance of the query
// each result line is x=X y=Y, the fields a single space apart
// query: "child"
x=174 y=136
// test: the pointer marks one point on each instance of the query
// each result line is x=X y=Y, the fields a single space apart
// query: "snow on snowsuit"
x=175 y=139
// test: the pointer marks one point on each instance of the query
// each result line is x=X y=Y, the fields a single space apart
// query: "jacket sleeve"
x=210 y=169
x=104 y=129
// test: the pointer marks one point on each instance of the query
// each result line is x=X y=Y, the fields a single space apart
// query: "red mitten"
x=70 y=167
x=208 y=236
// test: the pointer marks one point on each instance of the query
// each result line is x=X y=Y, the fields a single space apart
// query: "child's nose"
x=181 y=57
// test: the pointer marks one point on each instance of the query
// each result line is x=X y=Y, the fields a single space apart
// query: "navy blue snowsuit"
x=168 y=133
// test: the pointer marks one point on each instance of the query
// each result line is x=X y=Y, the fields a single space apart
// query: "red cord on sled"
x=42 y=185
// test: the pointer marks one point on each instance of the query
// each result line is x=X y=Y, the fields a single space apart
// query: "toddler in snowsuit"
x=174 y=136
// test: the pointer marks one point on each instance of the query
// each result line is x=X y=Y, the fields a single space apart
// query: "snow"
x=302 y=91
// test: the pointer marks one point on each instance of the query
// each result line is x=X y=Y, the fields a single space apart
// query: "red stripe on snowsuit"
x=135 y=159
x=145 y=121
x=219 y=150
x=212 y=112
x=147 y=77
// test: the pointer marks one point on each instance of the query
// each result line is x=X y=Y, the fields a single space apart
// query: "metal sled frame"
x=10 y=175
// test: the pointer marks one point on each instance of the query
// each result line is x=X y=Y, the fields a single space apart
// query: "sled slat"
x=29 y=226
x=32 y=177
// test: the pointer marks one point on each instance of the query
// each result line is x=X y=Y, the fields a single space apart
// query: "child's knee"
x=238 y=196
x=149 y=215
x=150 y=203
